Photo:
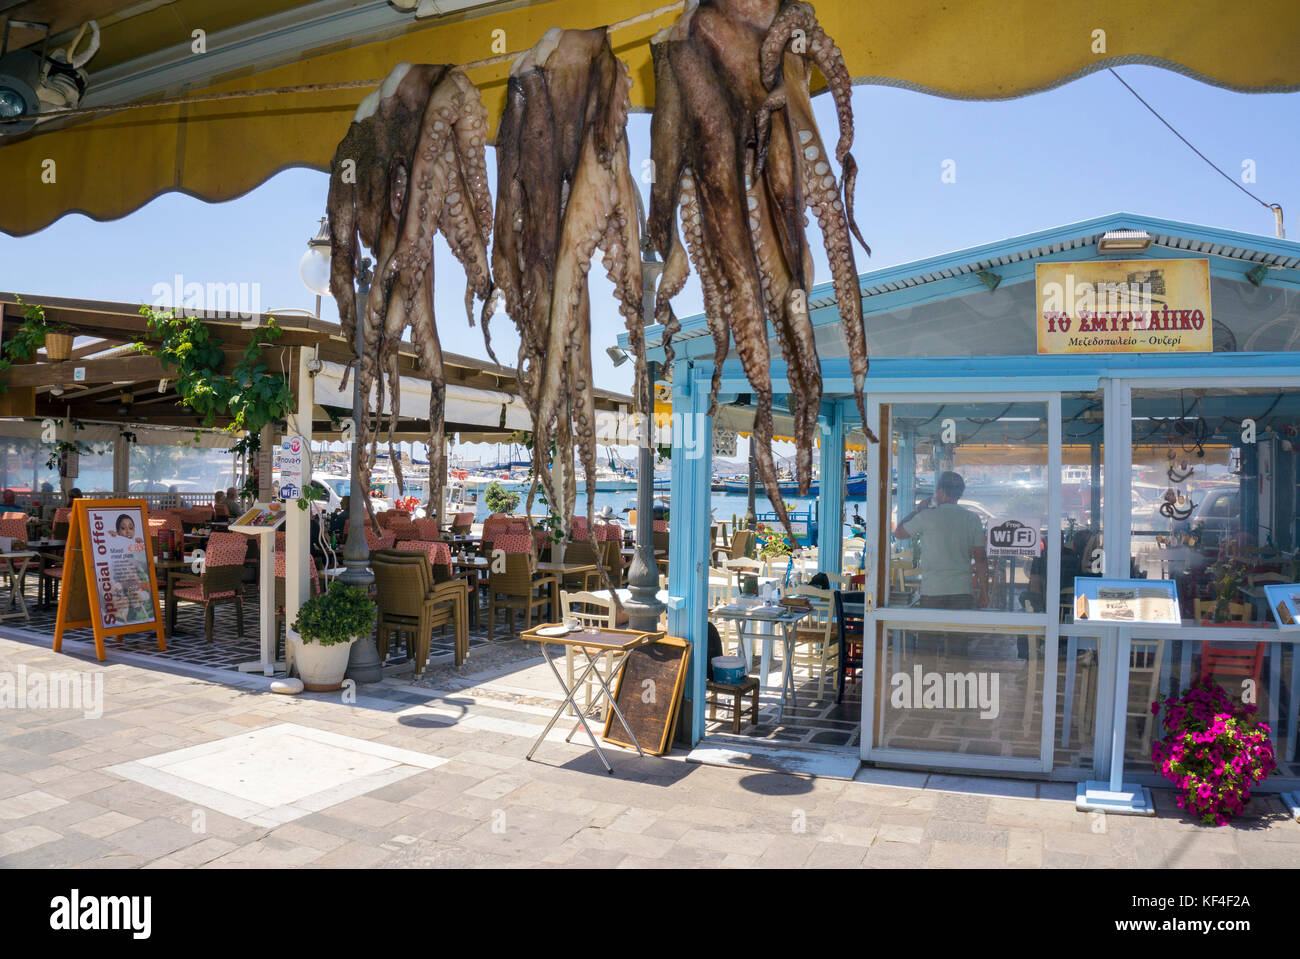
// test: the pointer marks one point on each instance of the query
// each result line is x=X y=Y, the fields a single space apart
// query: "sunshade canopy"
x=110 y=165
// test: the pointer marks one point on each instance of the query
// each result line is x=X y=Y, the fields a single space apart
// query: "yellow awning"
x=111 y=165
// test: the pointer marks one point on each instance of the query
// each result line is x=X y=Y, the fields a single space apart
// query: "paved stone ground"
x=486 y=806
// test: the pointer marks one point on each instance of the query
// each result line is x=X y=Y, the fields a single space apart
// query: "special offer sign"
x=1124 y=306
x=119 y=557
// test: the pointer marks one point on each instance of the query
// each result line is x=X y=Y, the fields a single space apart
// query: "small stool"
x=737 y=692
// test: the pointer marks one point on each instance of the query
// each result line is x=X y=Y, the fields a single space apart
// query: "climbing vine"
x=250 y=394
x=28 y=338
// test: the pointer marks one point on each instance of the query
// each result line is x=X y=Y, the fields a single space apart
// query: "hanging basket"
x=58 y=346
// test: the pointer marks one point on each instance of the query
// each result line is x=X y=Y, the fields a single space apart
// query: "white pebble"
x=810 y=152
x=805 y=136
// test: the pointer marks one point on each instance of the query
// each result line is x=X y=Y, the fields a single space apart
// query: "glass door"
x=960 y=660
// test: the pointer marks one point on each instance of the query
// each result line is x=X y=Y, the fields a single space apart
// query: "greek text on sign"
x=1013 y=537
x=1124 y=306
x=293 y=454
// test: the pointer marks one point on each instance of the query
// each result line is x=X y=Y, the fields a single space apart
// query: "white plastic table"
x=748 y=619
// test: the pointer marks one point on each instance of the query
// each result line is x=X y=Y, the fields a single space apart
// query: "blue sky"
x=1075 y=152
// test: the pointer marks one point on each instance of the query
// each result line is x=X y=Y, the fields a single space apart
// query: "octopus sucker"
x=737 y=153
x=411 y=164
x=564 y=189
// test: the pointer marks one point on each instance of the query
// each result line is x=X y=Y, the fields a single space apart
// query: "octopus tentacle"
x=415 y=152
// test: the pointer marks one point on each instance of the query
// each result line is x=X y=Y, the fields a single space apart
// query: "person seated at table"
x=9 y=498
x=219 y=508
x=339 y=518
x=74 y=494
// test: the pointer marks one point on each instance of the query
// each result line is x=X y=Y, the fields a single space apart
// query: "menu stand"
x=263 y=521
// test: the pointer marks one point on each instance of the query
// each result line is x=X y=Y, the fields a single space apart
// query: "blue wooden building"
x=1086 y=447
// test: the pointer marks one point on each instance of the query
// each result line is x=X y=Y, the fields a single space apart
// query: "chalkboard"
x=649 y=695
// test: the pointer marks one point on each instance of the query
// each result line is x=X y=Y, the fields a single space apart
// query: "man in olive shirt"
x=951 y=537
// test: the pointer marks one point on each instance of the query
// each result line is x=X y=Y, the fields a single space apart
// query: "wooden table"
x=472 y=569
x=599 y=641
x=559 y=571
x=17 y=605
x=747 y=618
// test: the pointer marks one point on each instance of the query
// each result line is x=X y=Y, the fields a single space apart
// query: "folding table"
x=600 y=641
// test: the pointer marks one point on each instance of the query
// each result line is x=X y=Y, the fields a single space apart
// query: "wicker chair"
x=580 y=552
x=222 y=581
x=412 y=604
x=517 y=587
x=739 y=547
x=461 y=523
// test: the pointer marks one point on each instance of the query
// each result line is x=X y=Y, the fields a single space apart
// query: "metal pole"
x=751 y=516
x=363 y=661
x=644 y=609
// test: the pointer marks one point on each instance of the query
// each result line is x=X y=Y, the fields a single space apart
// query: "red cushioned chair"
x=221 y=582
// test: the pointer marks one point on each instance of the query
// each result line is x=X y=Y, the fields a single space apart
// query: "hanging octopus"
x=736 y=149
x=411 y=165
x=563 y=189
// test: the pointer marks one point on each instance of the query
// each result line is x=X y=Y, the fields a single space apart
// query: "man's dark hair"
x=951 y=483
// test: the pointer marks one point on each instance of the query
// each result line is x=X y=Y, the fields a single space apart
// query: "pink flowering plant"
x=1213 y=750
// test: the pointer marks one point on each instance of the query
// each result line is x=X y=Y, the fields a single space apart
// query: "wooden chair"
x=518 y=587
x=1145 y=657
x=815 y=638
x=742 y=543
x=313 y=589
x=589 y=610
x=580 y=551
x=1266 y=577
x=461 y=523
x=411 y=604
x=1237 y=612
x=1236 y=660
x=222 y=581
x=851 y=638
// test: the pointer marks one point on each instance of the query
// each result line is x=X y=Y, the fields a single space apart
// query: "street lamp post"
x=644 y=608
x=363 y=662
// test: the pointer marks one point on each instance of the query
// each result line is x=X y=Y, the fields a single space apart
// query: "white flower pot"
x=321 y=668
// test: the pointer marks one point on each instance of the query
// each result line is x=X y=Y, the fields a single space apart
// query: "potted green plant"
x=327 y=626
x=1226 y=578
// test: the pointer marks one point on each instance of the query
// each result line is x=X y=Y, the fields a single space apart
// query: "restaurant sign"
x=1124 y=306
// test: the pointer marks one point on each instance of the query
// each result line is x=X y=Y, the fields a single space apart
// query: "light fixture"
x=1125 y=241
x=314 y=267
x=56 y=390
x=616 y=356
x=31 y=82
x=1257 y=273
x=991 y=280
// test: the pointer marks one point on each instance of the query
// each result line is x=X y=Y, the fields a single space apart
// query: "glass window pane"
x=968 y=505
x=963 y=692
x=1076 y=703
x=1082 y=482
x=1214 y=494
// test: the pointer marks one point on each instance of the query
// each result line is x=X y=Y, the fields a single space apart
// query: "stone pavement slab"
x=467 y=798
